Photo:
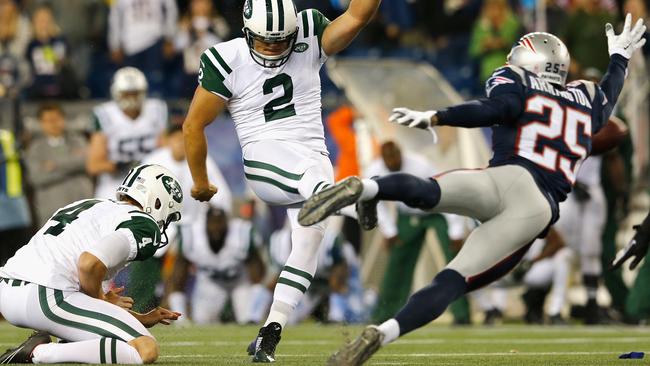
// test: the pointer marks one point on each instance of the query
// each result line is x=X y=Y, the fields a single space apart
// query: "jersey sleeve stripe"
x=305 y=25
x=280 y=16
x=214 y=61
x=269 y=16
x=223 y=63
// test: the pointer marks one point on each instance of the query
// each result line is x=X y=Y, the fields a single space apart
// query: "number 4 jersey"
x=551 y=137
x=281 y=103
x=50 y=258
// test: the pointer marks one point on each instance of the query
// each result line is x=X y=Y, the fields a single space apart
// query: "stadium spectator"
x=405 y=234
x=199 y=29
x=48 y=54
x=56 y=161
x=15 y=32
x=583 y=26
x=494 y=33
x=140 y=34
x=15 y=220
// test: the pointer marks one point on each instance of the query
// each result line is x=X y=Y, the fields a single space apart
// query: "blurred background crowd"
x=57 y=65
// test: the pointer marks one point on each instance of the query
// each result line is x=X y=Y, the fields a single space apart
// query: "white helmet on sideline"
x=157 y=191
x=132 y=81
x=270 y=21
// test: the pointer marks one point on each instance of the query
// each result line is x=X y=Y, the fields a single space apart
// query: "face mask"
x=200 y=23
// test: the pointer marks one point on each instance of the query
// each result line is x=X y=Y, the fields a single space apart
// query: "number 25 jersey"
x=281 y=103
x=552 y=135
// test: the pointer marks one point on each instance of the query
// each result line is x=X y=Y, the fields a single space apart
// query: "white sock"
x=370 y=189
x=279 y=313
x=390 y=329
x=104 y=350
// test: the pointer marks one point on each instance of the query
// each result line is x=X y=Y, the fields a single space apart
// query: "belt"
x=13 y=283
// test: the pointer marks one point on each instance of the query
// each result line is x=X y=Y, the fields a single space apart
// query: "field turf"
x=310 y=344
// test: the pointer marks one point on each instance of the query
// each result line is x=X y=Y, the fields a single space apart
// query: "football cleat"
x=358 y=351
x=264 y=346
x=330 y=200
x=367 y=213
x=24 y=352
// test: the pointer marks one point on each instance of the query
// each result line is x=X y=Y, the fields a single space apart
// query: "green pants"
x=141 y=285
x=398 y=278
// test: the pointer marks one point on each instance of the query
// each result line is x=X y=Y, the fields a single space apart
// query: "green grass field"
x=434 y=345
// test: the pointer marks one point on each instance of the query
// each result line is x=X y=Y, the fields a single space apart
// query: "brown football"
x=609 y=137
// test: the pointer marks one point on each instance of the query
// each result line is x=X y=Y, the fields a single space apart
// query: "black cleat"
x=358 y=351
x=557 y=320
x=24 y=352
x=330 y=200
x=264 y=346
x=367 y=212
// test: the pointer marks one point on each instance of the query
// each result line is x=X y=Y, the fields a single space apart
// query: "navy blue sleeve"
x=484 y=112
x=503 y=105
x=612 y=83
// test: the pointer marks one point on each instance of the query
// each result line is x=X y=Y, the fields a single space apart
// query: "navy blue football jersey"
x=551 y=137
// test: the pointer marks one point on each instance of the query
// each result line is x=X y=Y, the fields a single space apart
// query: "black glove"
x=637 y=247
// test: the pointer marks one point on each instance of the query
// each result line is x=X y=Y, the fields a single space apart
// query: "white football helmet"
x=270 y=21
x=543 y=54
x=157 y=190
x=129 y=80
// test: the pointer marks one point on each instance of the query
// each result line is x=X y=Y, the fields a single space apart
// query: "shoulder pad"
x=590 y=87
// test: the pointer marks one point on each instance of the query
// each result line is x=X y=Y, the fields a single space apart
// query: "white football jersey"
x=51 y=256
x=281 y=103
x=240 y=240
x=129 y=140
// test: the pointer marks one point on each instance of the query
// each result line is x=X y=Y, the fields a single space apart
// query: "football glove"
x=629 y=40
x=411 y=118
x=637 y=248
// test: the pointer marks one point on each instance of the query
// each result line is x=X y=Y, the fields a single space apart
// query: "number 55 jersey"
x=272 y=103
x=552 y=135
x=51 y=257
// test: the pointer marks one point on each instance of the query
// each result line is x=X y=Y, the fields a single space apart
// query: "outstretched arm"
x=204 y=109
x=342 y=31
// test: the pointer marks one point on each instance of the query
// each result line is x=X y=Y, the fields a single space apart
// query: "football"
x=609 y=137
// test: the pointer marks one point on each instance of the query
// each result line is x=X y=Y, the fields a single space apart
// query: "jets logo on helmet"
x=157 y=191
x=543 y=54
x=270 y=22
x=173 y=188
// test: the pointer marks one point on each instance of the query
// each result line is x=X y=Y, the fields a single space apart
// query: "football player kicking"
x=54 y=283
x=269 y=82
x=542 y=132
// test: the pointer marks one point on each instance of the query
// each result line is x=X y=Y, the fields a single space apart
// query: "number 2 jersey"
x=50 y=258
x=281 y=103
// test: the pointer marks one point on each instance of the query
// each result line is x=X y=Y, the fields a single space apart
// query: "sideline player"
x=637 y=248
x=269 y=82
x=542 y=132
x=126 y=129
x=54 y=283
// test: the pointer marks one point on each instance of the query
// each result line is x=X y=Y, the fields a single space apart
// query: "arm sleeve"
x=113 y=249
x=171 y=17
x=212 y=78
x=485 y=112
x=504 y=103
x=114 y=27
x=143 y=234
x=320 y=23
x=612 y=83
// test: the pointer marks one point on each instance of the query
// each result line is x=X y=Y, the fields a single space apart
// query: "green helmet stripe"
x=269 y=16
x=281 y=15
x=136 y=173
